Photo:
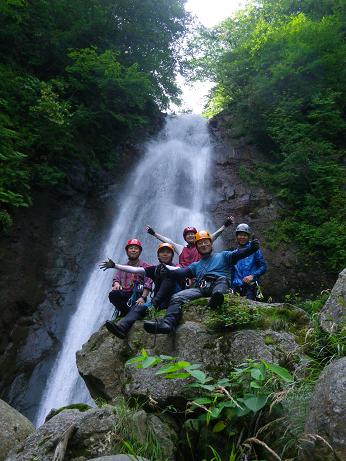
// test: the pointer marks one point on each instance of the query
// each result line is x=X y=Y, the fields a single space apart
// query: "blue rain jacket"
x=251 y=265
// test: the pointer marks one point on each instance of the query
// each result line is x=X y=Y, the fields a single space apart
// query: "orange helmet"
x=203 y=234
x=165 y=245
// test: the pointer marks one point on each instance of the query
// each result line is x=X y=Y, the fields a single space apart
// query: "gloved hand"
x=150 y=230
x=107 y=264
x=228 y=221
x=162 y=271
x=255 y=244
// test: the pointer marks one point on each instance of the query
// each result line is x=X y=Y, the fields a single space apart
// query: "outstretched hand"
x=229 y=221
x=107 y=264
x=150 y=230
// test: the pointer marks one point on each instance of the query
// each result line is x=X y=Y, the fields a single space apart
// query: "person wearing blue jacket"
x=247 y=271
x=212 y=278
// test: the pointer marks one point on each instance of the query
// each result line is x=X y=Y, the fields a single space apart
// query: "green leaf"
x=198 y=374
x=137 y=359
x=150 y=361
x=256 y=373
x=284 y=374
x=171 y=368
x=215 y=412
x=219 y=426
x=255 y=385
x=177 y=376
x=256 y=403
x=202 y=401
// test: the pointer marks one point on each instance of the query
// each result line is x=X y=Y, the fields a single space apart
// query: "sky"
x=209 y=13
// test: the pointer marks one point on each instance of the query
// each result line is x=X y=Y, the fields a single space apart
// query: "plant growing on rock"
x=234 y=404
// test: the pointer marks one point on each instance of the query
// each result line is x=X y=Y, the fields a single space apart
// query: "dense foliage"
x=76 y=79
x=279 y=68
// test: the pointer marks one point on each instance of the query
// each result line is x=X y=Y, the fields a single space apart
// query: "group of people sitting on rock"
x=200 y=273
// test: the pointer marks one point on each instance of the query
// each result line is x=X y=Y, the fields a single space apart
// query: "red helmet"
x=134 y=242
x=189 y=229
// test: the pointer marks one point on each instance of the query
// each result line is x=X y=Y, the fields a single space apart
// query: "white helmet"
x=243 y=228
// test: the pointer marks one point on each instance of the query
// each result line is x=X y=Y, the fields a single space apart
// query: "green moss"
x=238 y=313
x=268 y=340
x=75 y=406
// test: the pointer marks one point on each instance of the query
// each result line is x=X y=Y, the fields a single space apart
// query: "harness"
x=136 y=290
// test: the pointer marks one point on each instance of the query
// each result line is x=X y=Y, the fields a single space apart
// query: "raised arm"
x=242 y=253
x=112 y=265
x=228 y=221
x=177 y=247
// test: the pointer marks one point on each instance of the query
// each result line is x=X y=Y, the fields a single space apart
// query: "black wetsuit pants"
x=248 y=291
x=138 y=311
x=174 y=310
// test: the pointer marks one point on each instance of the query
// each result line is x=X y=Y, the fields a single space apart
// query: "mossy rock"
x=238 y=313
x=74 y=406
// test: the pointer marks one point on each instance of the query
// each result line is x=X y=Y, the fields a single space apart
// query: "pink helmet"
x=189 y=229
x=134 y=242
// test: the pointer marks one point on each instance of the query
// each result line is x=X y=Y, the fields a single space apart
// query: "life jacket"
x=188 y=256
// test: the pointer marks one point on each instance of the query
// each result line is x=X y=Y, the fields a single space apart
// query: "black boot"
x=116 y=329
x=158 y=326
x=216 y=300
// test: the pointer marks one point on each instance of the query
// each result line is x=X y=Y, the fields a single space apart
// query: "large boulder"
x=101 y=362
x=97 y=432
x=325 y=427
x=14 y=428
x=119 y=458
x=333 y=313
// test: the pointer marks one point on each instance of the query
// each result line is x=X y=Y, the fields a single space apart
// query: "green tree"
x=279 y=70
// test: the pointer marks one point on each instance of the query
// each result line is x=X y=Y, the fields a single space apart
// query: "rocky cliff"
x=233 y=193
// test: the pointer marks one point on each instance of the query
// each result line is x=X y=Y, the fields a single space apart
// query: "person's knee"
x=183 y=296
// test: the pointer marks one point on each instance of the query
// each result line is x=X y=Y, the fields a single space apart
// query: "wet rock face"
x=325 y=427
x=14 y=428
x=44 y=275
x=251 y=203
x=333 y=313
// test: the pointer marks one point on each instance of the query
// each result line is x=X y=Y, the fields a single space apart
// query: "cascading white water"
x=167 y=190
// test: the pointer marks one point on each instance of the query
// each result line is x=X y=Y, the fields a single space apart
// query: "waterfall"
x=168 y=190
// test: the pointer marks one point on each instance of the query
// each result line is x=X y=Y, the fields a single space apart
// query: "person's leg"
x=173 y=313
x=119 y=300
x=121 y=328
x=238 y=290
x=250 y=292
x=219 y=288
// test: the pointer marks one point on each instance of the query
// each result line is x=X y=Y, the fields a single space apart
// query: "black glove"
x=255 y=244
x=161 y=271
x=228 y=221
x=150 y=230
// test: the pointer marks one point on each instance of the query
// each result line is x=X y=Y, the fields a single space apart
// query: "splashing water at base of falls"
x=168 y=190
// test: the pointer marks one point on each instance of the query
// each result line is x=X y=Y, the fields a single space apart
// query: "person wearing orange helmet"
x=128 y=289
x=163 y=290
x=188 y=253
x=212 y=275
